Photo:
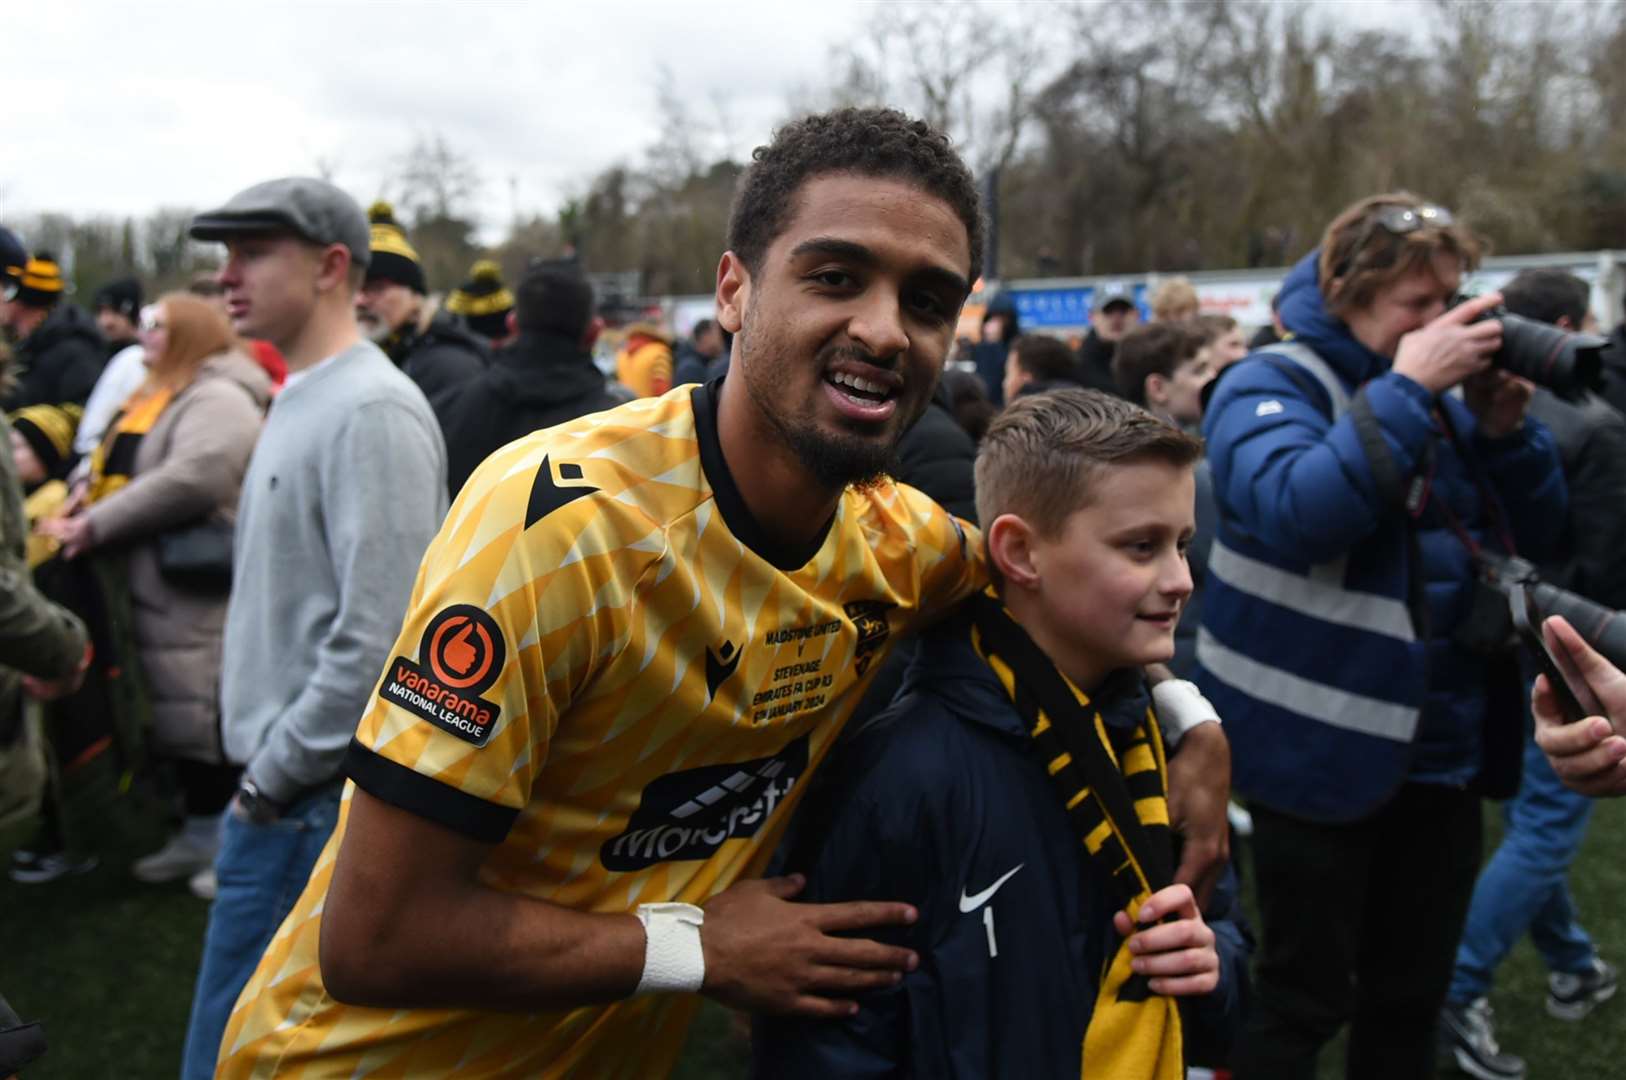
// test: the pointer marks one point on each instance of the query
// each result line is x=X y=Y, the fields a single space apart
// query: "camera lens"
x=1565 y=363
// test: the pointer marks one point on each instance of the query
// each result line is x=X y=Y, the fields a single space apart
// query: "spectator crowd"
x=917 y=695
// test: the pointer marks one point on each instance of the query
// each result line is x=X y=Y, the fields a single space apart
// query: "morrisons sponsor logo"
x=688 y=815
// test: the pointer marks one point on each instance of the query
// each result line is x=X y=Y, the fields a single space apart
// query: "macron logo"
x=968 y=904
x=1268 y=408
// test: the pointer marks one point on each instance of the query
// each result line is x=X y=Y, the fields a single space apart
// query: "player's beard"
x=835 y=460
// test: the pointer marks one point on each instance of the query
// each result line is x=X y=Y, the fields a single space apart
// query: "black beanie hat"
x=393 y=256
x=122 y=296
x=42 y=284
x=483 y=301
x=49 y=431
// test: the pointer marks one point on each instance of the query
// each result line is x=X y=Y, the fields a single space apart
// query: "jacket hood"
x=948 y=667
x=241 y=369
x=449 y=329
x=65 y=322
x=1304 y=312
x=545 y=369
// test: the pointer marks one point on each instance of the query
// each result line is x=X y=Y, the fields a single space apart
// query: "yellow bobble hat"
x=483 y=301
x=394 y=258
x=42 y=284
x=49 y=431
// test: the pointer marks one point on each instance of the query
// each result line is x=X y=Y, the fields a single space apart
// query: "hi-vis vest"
x=1318 y=668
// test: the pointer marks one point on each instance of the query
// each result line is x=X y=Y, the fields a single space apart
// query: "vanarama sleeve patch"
x=460 y=655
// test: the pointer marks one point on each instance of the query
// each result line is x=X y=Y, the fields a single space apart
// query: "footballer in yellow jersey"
x=610 y=672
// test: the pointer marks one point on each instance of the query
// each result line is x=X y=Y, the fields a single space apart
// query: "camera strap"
x=1487 y=495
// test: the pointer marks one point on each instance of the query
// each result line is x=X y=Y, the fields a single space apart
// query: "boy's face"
x=1181 y=394
x=29 y=470
x=1112 y=583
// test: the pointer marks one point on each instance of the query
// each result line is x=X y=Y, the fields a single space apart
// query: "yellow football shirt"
x=608 y=671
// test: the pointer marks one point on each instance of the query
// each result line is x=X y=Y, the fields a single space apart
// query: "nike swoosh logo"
x=968 y=904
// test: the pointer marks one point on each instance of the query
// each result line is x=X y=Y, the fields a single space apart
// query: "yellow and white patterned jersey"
x=609 y=672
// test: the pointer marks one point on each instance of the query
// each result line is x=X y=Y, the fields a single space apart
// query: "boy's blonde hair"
x=1039 y=455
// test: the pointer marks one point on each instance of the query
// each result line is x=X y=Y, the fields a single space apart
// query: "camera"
x=1603 y=628
x=1568 y=364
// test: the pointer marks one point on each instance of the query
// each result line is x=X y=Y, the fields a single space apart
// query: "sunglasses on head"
x=1397 y=221
x=1401 y=220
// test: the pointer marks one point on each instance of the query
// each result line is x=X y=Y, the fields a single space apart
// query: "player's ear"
x=1010 y=548
x=733 y=292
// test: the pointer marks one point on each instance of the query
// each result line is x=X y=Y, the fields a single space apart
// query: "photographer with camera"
x=1353 y=490
x=1524 y=887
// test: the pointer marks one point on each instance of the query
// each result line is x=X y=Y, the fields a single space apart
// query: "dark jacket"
x=937 y=802
x=441 y=359
x=1328 y=619
x=1614 y=369
x=688 y=365
x=59 y=362
x=1095 y=363
x=937 y=456
x=989 y=359
x=1591 y=438
x=536 y=382
x=1202 y=540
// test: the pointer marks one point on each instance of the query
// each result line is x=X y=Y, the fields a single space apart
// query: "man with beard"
x=435 y=349
x=635 y=636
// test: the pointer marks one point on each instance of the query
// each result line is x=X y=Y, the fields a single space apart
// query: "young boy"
x=1015 y=792
x=1164 y=367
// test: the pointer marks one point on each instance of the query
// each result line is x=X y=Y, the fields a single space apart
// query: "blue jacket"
x=1334 y=686
x=942 y=802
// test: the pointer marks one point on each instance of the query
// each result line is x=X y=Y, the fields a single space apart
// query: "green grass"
x=108 y=963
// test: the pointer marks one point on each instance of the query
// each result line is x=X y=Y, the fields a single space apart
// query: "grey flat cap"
x=311 y=209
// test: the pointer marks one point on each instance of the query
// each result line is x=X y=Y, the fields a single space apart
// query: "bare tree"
x=435 y=180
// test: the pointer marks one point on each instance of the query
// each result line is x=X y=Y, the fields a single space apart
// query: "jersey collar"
x=736 y=515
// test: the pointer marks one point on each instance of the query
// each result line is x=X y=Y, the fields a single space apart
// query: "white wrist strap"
x=673 y=959
x=1180 y=707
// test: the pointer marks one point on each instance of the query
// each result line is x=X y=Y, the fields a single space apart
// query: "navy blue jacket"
x=1333 y=694
x=943 y=803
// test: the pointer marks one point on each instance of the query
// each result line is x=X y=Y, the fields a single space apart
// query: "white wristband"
x=1180 y=707
x=673 y=959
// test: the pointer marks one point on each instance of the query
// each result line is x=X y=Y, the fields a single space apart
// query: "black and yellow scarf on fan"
x=113 y=461
x=1116 y=793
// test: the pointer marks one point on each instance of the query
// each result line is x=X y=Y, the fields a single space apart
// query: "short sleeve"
x=948 y=553
x=502 y=631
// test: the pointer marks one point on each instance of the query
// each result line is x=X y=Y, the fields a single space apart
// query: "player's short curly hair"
x=867 y=142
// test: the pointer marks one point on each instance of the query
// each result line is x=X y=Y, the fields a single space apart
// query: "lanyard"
x=1420 y=497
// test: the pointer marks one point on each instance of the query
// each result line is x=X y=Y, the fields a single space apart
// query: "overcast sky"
x=122 y=108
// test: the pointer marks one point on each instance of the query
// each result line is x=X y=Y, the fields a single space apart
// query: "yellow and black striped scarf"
x=1116 y=793
x=113 y=461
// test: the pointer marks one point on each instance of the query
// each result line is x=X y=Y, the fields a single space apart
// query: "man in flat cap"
x=345 y=489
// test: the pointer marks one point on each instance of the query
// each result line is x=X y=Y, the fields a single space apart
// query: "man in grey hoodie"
x=346 y=487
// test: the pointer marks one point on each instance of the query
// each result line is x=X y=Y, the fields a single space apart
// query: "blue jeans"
x=1525 y=886
x=262 y=869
